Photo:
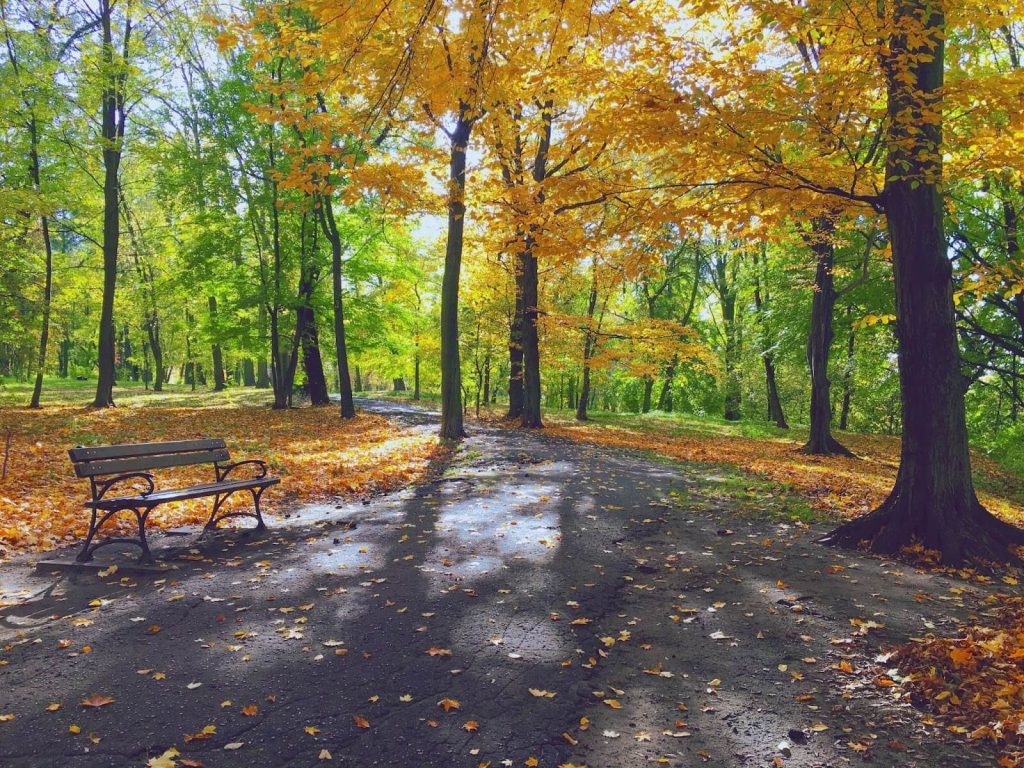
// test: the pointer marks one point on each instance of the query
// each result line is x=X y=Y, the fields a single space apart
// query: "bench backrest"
x=135 y=457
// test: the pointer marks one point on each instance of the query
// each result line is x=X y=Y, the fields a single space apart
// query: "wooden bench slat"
x=132 y=450
x=183 y=494
x=141 y=463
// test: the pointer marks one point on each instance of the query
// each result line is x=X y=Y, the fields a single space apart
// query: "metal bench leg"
x=86 y=554
x=212 y=522
x=256 y=494
x=146 y=558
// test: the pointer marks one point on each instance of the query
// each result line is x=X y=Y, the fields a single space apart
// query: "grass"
x=833 y=486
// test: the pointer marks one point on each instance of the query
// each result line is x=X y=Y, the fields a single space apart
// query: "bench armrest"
x=100 y=489
x=222 y=472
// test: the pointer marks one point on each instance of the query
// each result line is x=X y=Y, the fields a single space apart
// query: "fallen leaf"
x=449 y=704
x=96 y=701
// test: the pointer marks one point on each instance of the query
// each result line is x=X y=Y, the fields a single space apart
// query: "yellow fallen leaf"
x=613 y=703
x=324 y=755
x=166 y=760
x=541 y=694
x=312 y=730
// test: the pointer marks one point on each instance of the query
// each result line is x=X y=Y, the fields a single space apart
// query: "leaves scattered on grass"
x=833 y=485
x=316 y=453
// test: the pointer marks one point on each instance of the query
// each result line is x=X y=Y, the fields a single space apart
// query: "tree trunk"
x=515 y=349
x=665 y=397
x=218 y=357
x=44 y=223
x=330 y=230
x=312 y=363
x=645 y=406
x=727 y=296
x=416 y=377
x=933 y=500
x=844 y=413
x=359 y=380
x=451 y=371
x=487 y=377
x=531 y=416
x=819 y=342
x=64 y=357
x=113 y=123
x=589 y=342
x=775 y=412
x=248 y=373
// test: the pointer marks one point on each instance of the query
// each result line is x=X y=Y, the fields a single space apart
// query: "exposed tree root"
x=975 y=535
x=827 y=447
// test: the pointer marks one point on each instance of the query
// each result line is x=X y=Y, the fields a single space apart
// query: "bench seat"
x=182 y=494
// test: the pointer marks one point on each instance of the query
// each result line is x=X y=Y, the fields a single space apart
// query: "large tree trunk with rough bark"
x=819 y=341
x=933 y=500
x=451 y=372
x=312 y=363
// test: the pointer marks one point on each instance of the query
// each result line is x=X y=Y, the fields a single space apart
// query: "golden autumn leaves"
x=41 y=502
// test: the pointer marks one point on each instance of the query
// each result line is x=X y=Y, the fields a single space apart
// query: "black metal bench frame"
x=107 y=466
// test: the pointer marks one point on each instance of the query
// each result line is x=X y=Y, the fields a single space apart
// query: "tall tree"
x=933 y=500
x=114 y=62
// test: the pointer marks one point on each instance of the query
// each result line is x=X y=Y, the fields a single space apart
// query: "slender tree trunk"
x=819 y=342
x=844 y=413
x=589 y=342
x=933 y=500
x=531 y=415
x=262 y=368
x=219 y=382
x=44 y=223
x=775 y=412
x=727 y=296
x=665 y=397
x=330 y=229
x=113 y=133
x=645 y=406
x=515 y=350
x=487 y=377
x=64 y=357
x=451 y=371
x=248 y=373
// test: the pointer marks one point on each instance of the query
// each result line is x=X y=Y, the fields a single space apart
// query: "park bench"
x=109 y=465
